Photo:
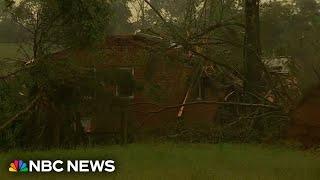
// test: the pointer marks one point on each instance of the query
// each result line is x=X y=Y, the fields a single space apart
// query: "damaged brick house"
x=304 y=126
x=164 y=79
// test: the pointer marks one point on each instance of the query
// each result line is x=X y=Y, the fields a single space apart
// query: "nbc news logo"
x=18 y=166
x=58 y=166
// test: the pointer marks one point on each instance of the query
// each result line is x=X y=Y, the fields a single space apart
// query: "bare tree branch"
x=7 y=76
x=156 y=11
x=230 y=68
x=204 y=102
x=20 y=60
x=170 y=26
x=14 y=118
x=217 y=26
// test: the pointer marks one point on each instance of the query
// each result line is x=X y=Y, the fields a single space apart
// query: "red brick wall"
x=169 y=74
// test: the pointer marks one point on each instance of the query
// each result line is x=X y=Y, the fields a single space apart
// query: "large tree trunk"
x=252 y=52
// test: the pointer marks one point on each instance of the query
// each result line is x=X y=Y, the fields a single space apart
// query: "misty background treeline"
x=289 y=28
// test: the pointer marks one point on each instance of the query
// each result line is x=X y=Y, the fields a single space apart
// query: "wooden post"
x=124 y=127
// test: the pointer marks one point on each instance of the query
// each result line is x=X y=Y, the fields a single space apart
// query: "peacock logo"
x=18 y=166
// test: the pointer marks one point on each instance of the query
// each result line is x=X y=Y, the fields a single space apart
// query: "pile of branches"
x=245 y=114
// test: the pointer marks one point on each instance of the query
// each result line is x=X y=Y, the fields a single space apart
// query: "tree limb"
x=170 y=26
x=156 y=11
x=232 y=69
x=7 y=76
x=217 y=26
x=14 y=118
x=206 y=102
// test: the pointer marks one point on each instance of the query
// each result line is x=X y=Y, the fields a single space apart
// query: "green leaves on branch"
x=86 y=21
x=59 y=22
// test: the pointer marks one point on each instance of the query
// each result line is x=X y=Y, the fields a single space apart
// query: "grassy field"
x=183 y=161
x=177 y=161
x=8 y=50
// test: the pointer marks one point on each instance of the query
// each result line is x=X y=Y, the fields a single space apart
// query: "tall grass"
x=182 y=161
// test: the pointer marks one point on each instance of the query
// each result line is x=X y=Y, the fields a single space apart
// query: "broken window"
x=86 y=124
x=125 y=82
x=202 y=88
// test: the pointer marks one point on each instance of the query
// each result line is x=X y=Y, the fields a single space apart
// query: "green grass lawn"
x=9 y=50
x=182 y=161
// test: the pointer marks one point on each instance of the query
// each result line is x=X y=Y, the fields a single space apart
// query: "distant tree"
x=276 y=22
x=49 y=88
x=216 y=33
x=291 y=29
x=119 y=20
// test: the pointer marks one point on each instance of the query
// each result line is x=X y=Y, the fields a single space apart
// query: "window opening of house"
x=86 y=124
x=202 y=88
x=125 y=88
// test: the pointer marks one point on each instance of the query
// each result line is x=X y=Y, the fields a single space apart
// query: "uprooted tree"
x=213 y=31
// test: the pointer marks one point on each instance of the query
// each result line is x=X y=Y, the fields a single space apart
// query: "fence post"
x=124 y=127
